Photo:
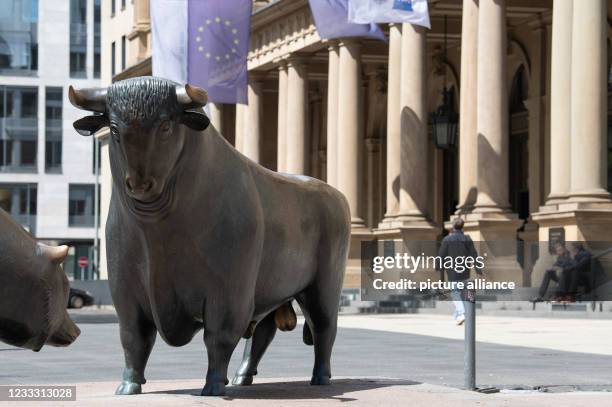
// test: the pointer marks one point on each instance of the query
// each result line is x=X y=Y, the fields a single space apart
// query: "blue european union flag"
x=404 y=5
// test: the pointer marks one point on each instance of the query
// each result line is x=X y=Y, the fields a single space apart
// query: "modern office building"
x=528 y=79
x=47 y=172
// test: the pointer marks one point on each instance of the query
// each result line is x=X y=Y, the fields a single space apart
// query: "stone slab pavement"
x=351 y=391
x=582 y=335
x=403 y=360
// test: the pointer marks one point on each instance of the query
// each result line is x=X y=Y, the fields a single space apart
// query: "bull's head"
x=33 y=293
x=148 y=119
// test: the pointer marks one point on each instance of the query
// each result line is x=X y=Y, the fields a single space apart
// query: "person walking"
x=456 y=245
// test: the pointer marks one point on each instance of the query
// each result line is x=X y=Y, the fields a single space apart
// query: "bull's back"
x=305 y=221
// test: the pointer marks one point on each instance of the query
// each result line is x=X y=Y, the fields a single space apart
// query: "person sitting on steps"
x=557 y=273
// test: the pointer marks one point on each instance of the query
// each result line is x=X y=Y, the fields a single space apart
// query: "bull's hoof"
x=126 y=388
x=213 y=389
x=320 y=380
x=242 y=380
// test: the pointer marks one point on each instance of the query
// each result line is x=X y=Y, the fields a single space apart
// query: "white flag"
x=169 y=32
x=389 y=11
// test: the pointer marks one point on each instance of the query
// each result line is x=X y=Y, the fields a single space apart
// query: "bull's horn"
x=56 y=254
x=191 y=97
x=92 y=99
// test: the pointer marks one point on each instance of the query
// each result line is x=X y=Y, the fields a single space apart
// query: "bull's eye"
x=114 y=133
x=165 y=130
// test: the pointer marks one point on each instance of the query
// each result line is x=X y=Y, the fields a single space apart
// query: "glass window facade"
x=18 y=37
x=81 y=205
x=53 y=130
x=20 y=200
x=123 y=50
x=18 y=128
x=78 y=38
x=113 y=61
x=97 y=46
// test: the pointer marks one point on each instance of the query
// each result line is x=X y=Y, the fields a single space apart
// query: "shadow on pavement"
x=297 y=390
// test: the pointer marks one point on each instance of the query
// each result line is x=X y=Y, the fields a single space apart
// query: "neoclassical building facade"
x=529 y=79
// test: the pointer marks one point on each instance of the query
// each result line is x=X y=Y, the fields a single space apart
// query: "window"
x=53 y=130
x=81 y=205
x=19 y=200
x=19 y=36
x=112 y=8
x=112 y=59
x=122 y=4
x=78 y=38
x=71 y=265
x=18 y=129
x=97 y=47
x=96 y=149
x=123 y=53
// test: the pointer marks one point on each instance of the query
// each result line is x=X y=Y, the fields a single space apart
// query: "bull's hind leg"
x=320 y=307
x=254 y=349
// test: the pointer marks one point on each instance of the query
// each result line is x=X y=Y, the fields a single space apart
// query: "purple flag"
x=218 y=43
x=331 y=19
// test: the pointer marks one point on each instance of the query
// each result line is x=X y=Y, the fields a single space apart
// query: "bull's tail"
x=285 y=317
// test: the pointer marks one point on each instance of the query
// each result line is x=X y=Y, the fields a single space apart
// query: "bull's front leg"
x=222 y=332
x=137 y=339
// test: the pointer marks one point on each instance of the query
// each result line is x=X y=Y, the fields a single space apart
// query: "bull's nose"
x=139 y=188
x=65 y=335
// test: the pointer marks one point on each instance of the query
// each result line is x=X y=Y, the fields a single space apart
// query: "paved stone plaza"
x=379 y=359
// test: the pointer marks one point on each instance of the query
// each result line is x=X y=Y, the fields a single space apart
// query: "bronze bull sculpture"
x=33 y=290
x=200 y=237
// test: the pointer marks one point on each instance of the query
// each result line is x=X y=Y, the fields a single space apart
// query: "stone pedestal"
x=352 y=276
x=494 y=234
x=416 y=238
x=581 y=221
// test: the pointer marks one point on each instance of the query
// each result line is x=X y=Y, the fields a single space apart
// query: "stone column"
x=393 y=123
x=332 y=116
x=491 y=222
x=216 y=116
x=350 y=128
x=282 y=119
x=240 y=127
x=588 y=181
x=252 y=131
x=297 y=92
x=560 y=100
x=467 y=108
x=492 y=108
x=414 y=151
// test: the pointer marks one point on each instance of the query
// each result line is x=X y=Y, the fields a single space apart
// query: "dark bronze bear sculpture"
x=33 y=290
x=200 y=237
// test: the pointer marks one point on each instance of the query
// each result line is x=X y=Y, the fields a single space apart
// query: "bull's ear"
x=56 y=254
x=88 y=125
x=195 y=120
